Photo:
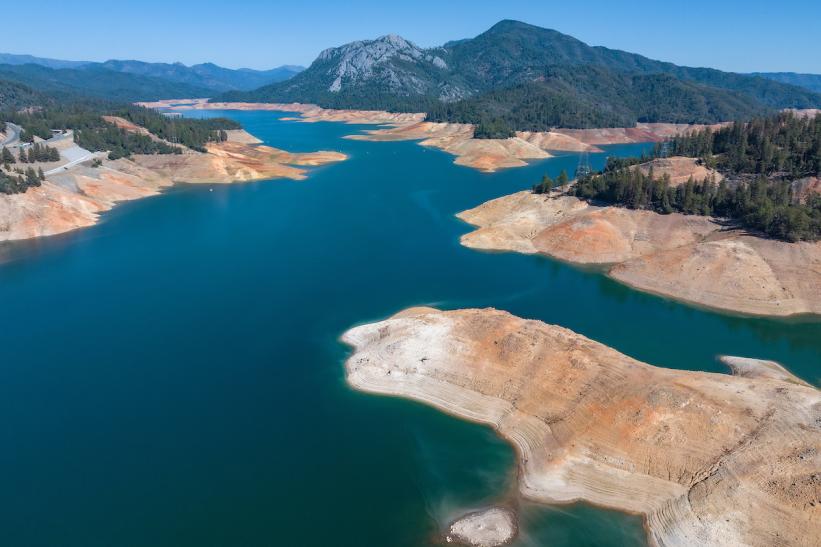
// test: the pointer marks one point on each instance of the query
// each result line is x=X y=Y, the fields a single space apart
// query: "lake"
x=173 y=375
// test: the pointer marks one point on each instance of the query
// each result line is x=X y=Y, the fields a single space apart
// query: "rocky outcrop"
x=488 y=528
x=75 y=198
x=689 y=258
x=708 y=459
x=369 y=62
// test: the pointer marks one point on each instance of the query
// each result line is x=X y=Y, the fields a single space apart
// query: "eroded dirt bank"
x=709 y=459
x=74 y=198
x=689 y=258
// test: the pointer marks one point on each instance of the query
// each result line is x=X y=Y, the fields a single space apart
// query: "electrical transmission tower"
x=583 y=169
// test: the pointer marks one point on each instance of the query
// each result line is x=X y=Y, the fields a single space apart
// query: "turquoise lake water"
x=173 y=376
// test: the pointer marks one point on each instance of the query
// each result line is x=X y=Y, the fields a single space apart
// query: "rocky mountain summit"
x=367 y=59
x=387 y=67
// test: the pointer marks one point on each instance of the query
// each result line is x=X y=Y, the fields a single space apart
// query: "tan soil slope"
x=689 y=258
x=572 y=230
x=74 y=199
x=552 y=140
x=806 y=188
x=308 y=112
x=680 y=169
x=487 y=155
x=709 y=459
x=643 y=132
x=742 y=273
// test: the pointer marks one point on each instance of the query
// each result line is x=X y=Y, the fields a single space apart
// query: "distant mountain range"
x=134 y=80
x=519 y=76
x=807 y=81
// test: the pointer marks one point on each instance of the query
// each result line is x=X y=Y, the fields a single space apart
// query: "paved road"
x=70 y=164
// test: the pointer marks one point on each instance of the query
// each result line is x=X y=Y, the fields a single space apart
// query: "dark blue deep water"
x=172 y=376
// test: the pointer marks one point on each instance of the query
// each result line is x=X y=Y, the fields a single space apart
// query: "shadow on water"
x=173 y=375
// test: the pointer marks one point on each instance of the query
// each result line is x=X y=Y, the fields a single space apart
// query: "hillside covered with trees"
x=18 y=180
x=94 y=133
x=39 y=113
x=14 y=96
x=760 y=161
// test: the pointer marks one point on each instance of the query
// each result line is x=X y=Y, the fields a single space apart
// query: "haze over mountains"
x=519 y=76
x=129 y=80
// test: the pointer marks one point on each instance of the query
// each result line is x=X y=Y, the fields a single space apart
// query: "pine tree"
x=563 y=180
x=7 y=157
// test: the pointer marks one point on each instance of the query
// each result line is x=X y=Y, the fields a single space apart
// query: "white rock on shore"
x=489 y=528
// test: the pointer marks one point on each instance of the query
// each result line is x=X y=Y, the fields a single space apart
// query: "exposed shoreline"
x=486 y=155
x=76 y=197
x=687 y=258
x=701 y=455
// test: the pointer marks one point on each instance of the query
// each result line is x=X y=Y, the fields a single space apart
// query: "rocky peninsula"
x=74 y=196
x=708 y=459
x=689 y=258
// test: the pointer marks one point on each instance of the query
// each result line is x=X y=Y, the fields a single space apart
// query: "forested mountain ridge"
x=205 y=75
x=99 y=83
x=807 y=81
x=561 y=80
x=23 y=59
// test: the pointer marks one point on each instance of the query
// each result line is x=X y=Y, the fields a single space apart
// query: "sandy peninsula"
x=708 y=459
x=74 y=196
x=486 y=155
x=689 y=258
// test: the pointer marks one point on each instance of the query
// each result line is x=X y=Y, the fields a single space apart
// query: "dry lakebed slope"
x=708 y=459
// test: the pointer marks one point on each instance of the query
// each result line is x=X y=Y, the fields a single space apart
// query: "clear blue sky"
x=727 y=34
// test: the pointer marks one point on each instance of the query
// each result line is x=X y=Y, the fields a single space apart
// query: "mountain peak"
x=396 y=41
x=507 y=24
x=508 y=27
x=376 y=60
